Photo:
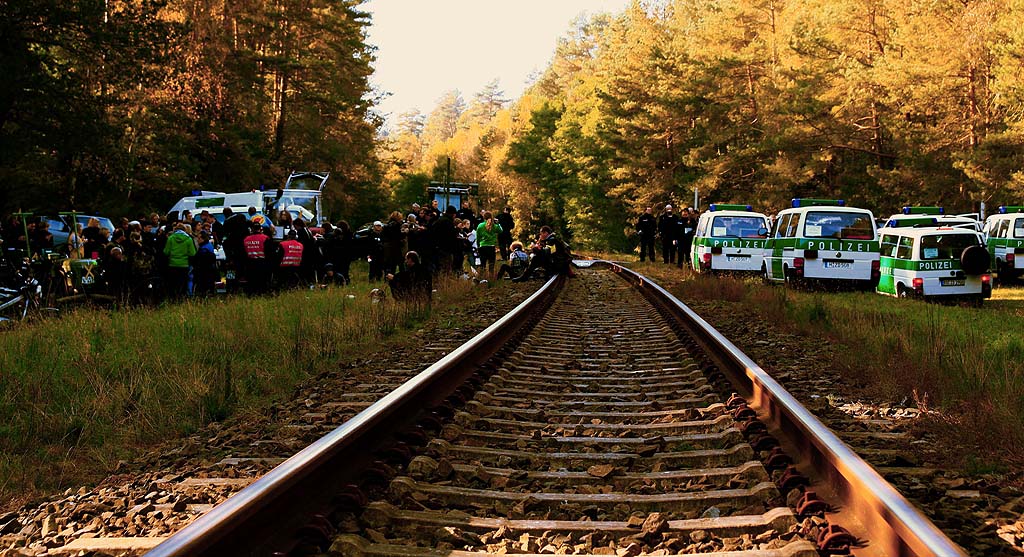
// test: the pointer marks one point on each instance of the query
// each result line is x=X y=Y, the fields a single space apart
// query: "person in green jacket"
x=487 y=241
x=179 y=249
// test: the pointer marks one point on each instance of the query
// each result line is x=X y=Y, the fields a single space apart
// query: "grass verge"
x=79 y=393
x=967 y=362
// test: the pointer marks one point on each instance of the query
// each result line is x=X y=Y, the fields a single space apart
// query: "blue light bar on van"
x=908 y=223
x=924 y=210
x=1003 y=209
x=197 y=192
x=809 y=202
x=729 y=207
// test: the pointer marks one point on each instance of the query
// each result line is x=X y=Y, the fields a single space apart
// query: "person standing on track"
x=647 y=227
x=668 y=224
x=487 y=233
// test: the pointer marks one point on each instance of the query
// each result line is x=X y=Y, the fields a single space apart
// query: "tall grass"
x=967 y=361
x=100 y=382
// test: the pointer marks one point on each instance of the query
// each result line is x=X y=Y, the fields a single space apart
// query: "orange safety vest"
x=254 y=246
x=292 y=253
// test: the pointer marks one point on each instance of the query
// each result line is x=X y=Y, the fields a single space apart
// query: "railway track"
x=604 y=425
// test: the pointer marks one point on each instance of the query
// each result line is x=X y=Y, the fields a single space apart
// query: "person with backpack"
x=518 y=261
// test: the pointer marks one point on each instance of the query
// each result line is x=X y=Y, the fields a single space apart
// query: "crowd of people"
x=181 y=255
x=675 y=230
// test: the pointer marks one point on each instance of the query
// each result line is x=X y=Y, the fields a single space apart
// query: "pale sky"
x=428 y=47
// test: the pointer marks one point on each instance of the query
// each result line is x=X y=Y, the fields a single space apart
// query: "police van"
x=729 y=238
x=938 y=213
x=822 y=240
x=1004 y=237
x=300 y=197
x=920 y=260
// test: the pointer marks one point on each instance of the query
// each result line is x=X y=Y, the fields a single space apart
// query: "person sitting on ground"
x=549 y=253
x=518 y=261
x=414 y=283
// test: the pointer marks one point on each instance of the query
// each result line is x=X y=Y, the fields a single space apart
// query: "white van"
x=822 y=240
x=300 y=197
x=941 y=218
x=918 y=260
x=1004 y=237
x=729 y=238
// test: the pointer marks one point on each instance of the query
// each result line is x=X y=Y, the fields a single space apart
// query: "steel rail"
x=292 y=494
x=896 y=527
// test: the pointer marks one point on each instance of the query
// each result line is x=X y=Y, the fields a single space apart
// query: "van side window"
x=702 y=225
x=780 y=226
x=1018 y=228
x=793 y=222
x=888 y=246
x=1004 y=226
x=905 y=249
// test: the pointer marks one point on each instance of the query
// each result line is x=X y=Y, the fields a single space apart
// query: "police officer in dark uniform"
x=687 y=227
x=668 y=225
x=647 y=227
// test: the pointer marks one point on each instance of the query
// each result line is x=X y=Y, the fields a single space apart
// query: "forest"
x=124 y=106
x=119 y=107
x=880 y=102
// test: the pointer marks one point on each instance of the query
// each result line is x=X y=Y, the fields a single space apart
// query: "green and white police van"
x=920 y=260
x=729 y=238
x=938 y=213
x=822 y=240
x=1004 y=237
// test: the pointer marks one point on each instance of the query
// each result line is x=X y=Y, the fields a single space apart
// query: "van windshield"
x=300 y=204
x=946 y=246
x=737 y=227
x=839 y=225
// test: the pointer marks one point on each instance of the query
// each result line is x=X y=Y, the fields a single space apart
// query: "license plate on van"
x=737 y=258
x=837 y=264
x=952 y=282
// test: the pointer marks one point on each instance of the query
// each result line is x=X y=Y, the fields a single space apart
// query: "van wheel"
x=902 y=292
x=764 y=275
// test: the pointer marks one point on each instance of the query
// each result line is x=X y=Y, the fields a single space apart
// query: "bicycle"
x=21 y=294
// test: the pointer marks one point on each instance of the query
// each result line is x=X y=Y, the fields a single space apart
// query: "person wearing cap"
x=668 y=225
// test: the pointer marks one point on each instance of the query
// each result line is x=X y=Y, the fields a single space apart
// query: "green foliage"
x=408 y=189
x=123 y=107
x=879 y=102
